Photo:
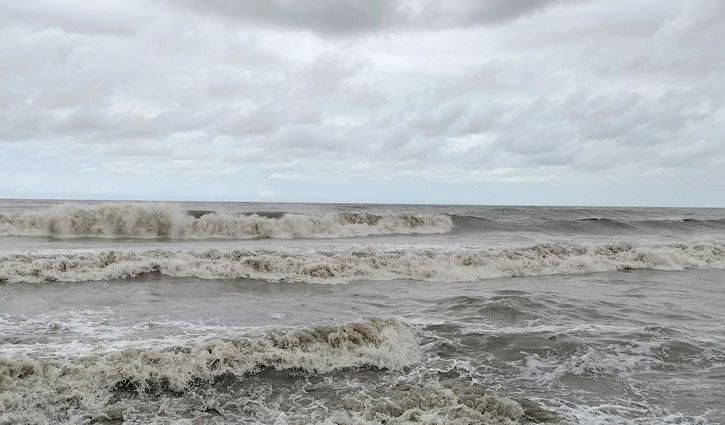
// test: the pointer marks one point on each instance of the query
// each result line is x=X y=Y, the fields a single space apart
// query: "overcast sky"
x=576 y=102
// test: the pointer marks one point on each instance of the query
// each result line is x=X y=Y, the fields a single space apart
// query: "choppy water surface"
x=354 y=314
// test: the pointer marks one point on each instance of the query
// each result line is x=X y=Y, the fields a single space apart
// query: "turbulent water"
x=216 y=313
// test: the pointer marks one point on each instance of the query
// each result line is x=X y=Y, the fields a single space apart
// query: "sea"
x=272 y=313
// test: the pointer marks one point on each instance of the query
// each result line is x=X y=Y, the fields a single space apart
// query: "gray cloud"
x=339 y=17
x=114 y=17
x=324 y=16
x=456 y=13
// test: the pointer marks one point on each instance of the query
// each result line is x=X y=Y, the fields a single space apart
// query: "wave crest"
x=165 y=221
x=345 y=265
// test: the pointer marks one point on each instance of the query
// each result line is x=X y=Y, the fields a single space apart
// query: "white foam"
x=166 y=221
x=344 y=265
x=430 y=403
x=604 y=414
x=594 y=361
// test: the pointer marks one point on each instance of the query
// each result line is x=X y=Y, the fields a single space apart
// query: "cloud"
x=109 y=17
x=347 y=17
x=273 y=95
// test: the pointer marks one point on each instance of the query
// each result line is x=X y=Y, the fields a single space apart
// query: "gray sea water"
x=240 y=313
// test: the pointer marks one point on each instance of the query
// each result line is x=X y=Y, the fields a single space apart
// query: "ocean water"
x=241 y=313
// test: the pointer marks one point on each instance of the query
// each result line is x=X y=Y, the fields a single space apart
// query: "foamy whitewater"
x=218 y=313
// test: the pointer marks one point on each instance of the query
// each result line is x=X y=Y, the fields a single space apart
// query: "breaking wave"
x=165 y=221
x=49 y=388
x=343 y=265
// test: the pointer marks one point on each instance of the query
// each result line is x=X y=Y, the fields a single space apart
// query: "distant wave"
x=164 y=221
x=664 y=222
x=336 y=266
x=588 y=225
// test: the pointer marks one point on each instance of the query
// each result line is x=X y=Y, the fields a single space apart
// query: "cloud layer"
x=487 y=102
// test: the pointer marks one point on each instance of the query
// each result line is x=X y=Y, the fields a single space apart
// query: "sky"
x=599 y=102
